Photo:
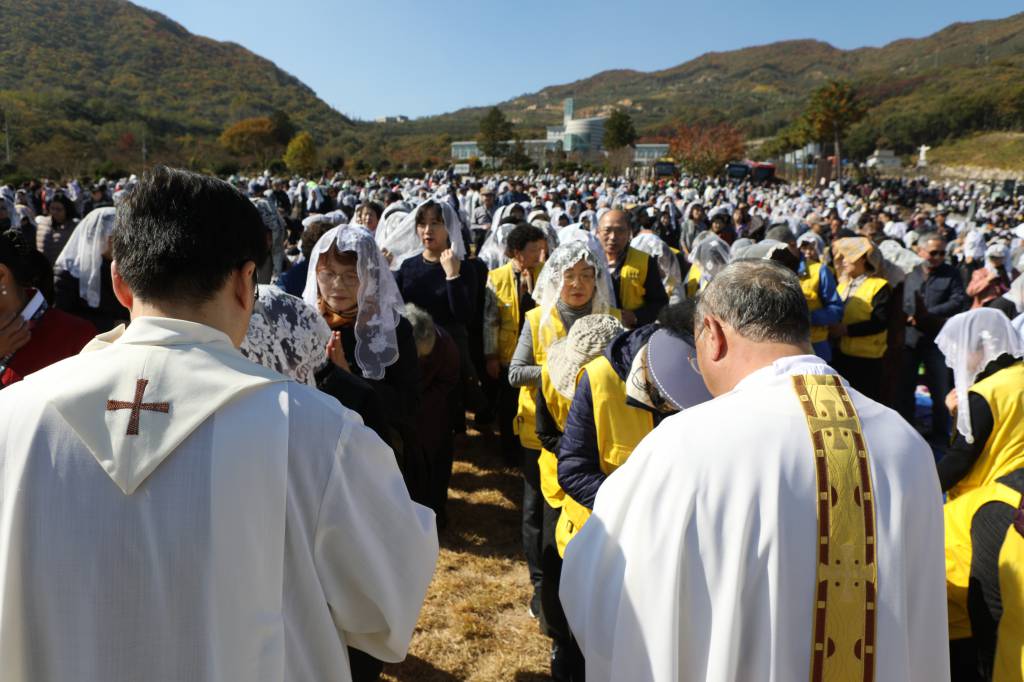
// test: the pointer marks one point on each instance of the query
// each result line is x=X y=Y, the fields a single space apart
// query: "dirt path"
x=475 y=625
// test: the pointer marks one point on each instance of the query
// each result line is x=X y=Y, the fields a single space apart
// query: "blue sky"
x=414 y=57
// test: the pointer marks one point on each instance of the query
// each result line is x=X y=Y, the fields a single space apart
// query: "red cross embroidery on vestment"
x=136 y=406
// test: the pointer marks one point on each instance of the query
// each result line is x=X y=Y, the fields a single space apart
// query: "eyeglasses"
x=936 y=254
x=348 y=280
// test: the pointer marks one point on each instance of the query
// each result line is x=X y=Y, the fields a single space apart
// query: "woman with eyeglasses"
x=350 y=284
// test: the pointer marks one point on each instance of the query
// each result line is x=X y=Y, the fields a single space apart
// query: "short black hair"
x=179 y=235
x=373 y=206
x=13 y=254
x=521 y=235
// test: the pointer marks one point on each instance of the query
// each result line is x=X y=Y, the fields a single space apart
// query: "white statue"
x=922 y=156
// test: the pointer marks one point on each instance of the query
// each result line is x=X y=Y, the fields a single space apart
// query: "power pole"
x=7 y=136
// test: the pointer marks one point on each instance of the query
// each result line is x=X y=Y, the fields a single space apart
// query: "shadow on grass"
x=508 y=483
x=484 y=530
x=414 y=669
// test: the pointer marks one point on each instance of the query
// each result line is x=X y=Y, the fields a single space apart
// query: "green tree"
x=284 y=129
x=619 y=131
x=301 y=157
x=495 y=130
x=830 y=113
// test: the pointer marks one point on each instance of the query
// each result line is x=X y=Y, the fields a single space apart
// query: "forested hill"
x=92 y=79
x=968 y=76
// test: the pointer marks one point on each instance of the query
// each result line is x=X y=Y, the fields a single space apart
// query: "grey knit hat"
x=586 y=340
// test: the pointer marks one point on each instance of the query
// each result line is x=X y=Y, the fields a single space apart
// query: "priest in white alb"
x=789 y=529
x=171 y=511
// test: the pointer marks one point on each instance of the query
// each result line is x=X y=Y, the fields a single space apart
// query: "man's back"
x=241 y=553
x=728 y=517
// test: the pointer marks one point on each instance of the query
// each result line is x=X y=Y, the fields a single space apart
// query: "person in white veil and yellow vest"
x=983 y=470
x=572 y=285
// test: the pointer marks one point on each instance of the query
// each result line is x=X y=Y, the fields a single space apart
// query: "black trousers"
x=864 y=374
x=533 y=515
x=552 y=616
x=936 y=378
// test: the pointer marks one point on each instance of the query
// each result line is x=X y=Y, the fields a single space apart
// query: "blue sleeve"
x=579 y=462
x=831 y=311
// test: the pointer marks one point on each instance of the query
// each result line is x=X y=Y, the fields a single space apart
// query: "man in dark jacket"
x=639 y=297
x=932 y=294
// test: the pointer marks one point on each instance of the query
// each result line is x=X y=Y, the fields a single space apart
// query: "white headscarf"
x=549 y=282
x=970 y=341
x=577 y=233
x=380 y=303
x=82 y=256
x=286 y=335
x=404 y=243
x=712 y=254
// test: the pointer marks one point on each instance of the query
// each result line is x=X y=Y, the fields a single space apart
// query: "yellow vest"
x=1004 y=451
x=1009 y=663
x=504 y=282
x=809 y=282
x=619 y=427
x=692 y=280
x=959 y=515
x=526 y=416
x=858 y=309
x=558 y=406
x=632 y=276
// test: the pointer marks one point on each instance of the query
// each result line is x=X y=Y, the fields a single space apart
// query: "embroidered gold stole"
x=846 y=585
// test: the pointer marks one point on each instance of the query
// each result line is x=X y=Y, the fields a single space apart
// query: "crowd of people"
x=573 y=316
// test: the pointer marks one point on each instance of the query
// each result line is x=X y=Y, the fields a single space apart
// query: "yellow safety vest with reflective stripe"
x=503 y=280
x=619 y=428
x=857 y=308
x=809 y=282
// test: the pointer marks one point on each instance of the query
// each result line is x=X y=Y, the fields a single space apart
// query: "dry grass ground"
x=475 y=624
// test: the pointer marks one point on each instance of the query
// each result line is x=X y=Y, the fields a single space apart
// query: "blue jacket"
x=579 y=461
x=293 y=280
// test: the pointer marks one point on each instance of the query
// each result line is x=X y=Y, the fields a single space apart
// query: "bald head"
x=614 y=233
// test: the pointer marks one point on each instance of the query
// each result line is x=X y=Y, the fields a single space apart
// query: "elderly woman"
x=32 y=334
x=350 y=284
x=82 y=282
x=811 y=246
x=572 y=285
x=862 y=335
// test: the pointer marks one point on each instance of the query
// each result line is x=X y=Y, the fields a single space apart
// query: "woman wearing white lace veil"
x=82 y=283
x=571 y=286
x=403 y=242
x=984 y=351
